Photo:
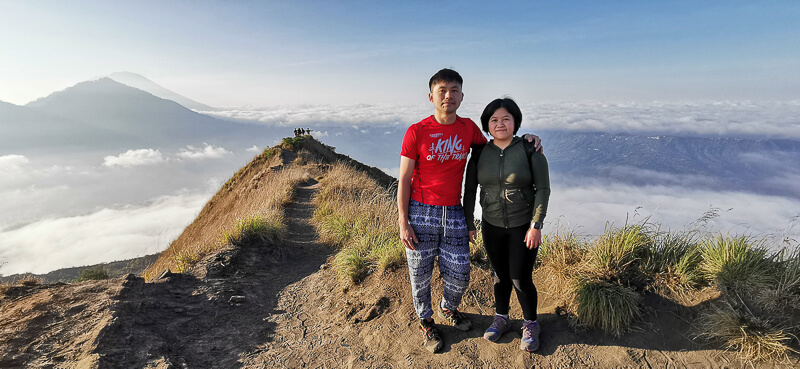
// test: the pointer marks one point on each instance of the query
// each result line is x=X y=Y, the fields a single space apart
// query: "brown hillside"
x=278 y=303
x=248 y=192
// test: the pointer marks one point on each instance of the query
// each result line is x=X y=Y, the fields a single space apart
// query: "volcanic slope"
x=281 y=305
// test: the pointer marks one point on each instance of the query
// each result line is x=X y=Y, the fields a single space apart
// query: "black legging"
x=512 y=264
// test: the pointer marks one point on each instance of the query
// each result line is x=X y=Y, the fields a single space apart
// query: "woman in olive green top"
x=515 y=189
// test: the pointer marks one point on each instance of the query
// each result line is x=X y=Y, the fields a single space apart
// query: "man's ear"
x=430 y=96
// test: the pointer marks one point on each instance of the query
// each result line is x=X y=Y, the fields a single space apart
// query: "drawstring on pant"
x=444 y=219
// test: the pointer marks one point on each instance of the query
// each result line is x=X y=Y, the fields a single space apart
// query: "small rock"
x=237 y=299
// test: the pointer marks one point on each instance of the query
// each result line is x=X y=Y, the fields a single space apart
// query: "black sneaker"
x=458 y=320
x=430 y=336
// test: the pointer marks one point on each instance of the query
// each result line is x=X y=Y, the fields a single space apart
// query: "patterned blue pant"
x=441 y=231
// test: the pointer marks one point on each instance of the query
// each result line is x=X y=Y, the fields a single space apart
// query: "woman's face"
x=501 y=124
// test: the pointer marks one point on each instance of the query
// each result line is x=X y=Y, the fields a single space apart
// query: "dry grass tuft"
x=755 y=338
x=562 y=253
x=29 y=280
x=4 y=287
x=477 y=250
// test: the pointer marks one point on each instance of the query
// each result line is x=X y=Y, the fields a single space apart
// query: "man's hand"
x=473 y=235
x=533 y=238
x=537 y=142
x=407 y=236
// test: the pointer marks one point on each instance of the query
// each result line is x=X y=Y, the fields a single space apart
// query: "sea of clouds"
x=89 y=208
x=721 y=118
x=60 y=212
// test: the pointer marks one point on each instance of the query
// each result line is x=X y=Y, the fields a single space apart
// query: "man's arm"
x=407 y=236
x=470 y=192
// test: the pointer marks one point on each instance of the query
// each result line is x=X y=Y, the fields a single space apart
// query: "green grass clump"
x=293 y=143
x=671 y=263
x=334 y=228
x=270 y=152
x=351 y=265
x=93 y=274
x=602 y=294
x=185 y=260
x=608 y=306
x=388 y=251
x=613 y=255
x=783 y=295
x=257 y=229
x=735 y=262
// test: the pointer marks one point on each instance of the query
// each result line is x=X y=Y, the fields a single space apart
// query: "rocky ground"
x=282 y=307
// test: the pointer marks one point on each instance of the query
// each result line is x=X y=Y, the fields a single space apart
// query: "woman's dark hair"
x=506 y=103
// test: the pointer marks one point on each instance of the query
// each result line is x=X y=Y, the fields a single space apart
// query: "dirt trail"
x=220 y=319
x=264 y=306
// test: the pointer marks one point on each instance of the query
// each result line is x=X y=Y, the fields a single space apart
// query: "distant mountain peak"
x=126 y=74
x=141 y=82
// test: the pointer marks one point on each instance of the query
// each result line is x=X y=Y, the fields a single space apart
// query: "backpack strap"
x=529 y=150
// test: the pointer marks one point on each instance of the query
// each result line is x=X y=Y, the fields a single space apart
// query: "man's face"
x=446 y=96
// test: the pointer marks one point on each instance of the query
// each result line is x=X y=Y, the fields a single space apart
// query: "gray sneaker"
x=430 y=336
x=499 y=326
x=458 y=320
x=530 y=336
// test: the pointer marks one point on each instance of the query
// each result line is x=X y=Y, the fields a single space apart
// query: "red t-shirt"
x=440 y=152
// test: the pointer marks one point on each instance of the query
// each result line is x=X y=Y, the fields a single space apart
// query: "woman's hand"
x=472 y=236
x=533 y=238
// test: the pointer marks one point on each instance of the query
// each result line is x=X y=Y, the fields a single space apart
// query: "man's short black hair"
x=445 y=75
x=506 y=103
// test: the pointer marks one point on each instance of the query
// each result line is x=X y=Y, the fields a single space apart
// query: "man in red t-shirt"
x=431 y=219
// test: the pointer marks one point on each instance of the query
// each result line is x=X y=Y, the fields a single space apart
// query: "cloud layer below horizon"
x=103 y=236
x=111 y=234
x=722 y=118
x=103 y=207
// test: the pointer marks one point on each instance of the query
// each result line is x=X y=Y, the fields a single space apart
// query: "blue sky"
x=322 y=52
